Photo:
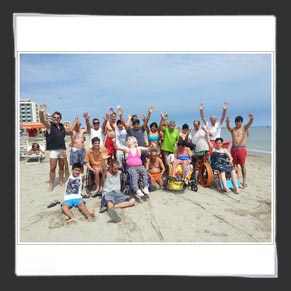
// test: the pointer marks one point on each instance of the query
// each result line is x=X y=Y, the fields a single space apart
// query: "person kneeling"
x=112 y=197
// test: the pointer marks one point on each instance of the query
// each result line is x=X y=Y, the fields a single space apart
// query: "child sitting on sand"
x=73 y=197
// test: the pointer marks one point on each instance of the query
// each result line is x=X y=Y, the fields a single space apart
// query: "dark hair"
x=185 y=126
x=95 y=119
x=135 y=121
x=113 y=162
x=118 y=121
x=154 y=124
x=96 y=138
x=219 y=138
x=35 y=143
x=76 y=165
x=57 y=113
x=181 y=142
x=239 y=119
x=134 y=116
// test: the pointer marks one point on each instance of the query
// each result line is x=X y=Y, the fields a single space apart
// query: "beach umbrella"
x=32 y=125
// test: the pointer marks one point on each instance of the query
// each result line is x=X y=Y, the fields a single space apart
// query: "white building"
x=28 y=111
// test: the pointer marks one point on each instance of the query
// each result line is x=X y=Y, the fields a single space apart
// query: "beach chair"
x=33 y=158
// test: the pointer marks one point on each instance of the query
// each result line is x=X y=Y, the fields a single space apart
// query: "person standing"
x=78 y=151
x=55 y=143
x=214 y=127
x=95 y=129
x=239 y=135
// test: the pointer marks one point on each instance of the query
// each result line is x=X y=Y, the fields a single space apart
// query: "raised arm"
x=105 y=120
x=87 y=121
x=247 y=126
x=227 y=120
x=150 y=111
x=120 y=114
x=42 y=109
x=120 y=148
x=224 y=108
x=164 y=117
x=201 y=109
x=208 y=140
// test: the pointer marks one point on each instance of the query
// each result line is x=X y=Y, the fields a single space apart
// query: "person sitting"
x=73 y=195
x=156 y=168
x=112 y=197
x=182 y=156
x=134 y=164
x=222 y=161
x=35 y=150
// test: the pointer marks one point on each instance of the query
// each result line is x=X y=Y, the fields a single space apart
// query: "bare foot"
x=71 y=220
x=91 y=214
x=50 y=189
x=100 y=189
x=226 y=190
x=237 y=191
x=61 y=184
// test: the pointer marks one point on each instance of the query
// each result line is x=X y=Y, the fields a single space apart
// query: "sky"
x=174 y=84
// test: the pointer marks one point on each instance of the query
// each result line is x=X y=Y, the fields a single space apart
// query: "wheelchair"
x=90 y=184
x=177 y=183
x=127 y=185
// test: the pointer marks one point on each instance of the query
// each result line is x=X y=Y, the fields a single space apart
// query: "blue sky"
x=173 y=83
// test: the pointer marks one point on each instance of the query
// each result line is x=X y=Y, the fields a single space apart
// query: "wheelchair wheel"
x=205 y=174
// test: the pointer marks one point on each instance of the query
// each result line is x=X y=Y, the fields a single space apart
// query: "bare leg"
x=53 y=165
x=223 y=179
x=66 y=167
x=68 y=212
x=84 y=210
x=244 y=174
x=61 y=171
x=234 y=181
x=174 y=167
x=97 y=179
x=124 y=204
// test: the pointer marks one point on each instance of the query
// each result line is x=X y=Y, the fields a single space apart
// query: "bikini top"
x=153 y=138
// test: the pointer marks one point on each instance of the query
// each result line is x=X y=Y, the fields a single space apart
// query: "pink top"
x=133 y=161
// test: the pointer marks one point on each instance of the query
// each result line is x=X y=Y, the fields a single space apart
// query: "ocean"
x=259 y=141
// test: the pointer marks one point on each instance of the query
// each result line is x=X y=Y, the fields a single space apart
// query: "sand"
x=205 y=216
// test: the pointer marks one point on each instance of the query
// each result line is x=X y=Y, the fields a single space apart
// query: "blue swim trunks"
x=73 y=202
x=77 y=156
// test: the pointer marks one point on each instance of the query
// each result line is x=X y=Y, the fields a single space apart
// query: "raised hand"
x=251 y=116
x=201 y=106
x=164 y=116
x=151 y=109
x=43 y=107
x=225 y=105
x=120 y=111
x=86 y=115
x=227 y=120
x=106 y=117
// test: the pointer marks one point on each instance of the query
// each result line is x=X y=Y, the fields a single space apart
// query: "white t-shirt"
x=214 y=129
x=198 y=137
x=73 y=188
x=97 y=133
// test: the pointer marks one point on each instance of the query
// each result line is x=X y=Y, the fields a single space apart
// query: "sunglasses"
x=56 y=117
x=96 y=122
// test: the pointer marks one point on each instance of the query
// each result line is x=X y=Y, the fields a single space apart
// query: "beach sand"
x=205 y=216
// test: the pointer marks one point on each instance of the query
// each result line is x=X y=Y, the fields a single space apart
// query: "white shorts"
x=57 y=154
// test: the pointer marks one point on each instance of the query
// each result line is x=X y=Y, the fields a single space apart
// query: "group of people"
x=140 y=149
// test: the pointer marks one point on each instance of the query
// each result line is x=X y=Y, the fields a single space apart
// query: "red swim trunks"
x=239 y=155
x=110 y=146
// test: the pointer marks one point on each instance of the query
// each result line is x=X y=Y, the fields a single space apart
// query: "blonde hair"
x=132 y=139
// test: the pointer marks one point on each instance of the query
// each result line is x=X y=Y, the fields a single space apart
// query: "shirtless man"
x=78 y=151
x=156 y=168
x=239 y=135
x=109 y=126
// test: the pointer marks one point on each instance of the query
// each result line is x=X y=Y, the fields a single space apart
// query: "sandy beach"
x=205 y=216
